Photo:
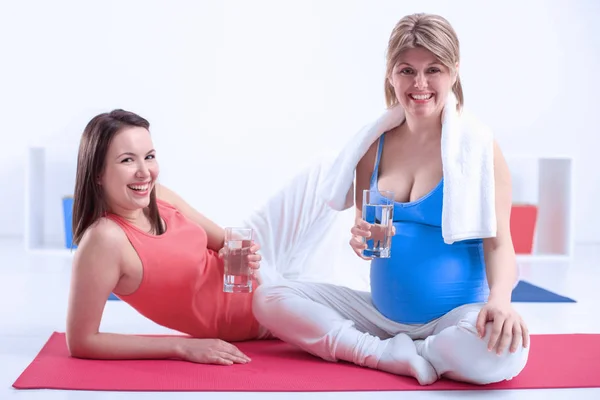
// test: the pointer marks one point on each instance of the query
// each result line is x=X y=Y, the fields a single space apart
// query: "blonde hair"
x=428 y=31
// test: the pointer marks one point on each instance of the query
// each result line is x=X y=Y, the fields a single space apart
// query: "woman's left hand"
x=508 y=328
x=253 y=258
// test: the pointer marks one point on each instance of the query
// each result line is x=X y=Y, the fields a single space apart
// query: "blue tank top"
x=425 y=278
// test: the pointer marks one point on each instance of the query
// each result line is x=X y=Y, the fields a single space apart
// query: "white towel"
x=302 y=238
x=292 y=226
x=467 y=148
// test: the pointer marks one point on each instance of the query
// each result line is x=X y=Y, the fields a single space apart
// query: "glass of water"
x=238 y=274
x=378 y=210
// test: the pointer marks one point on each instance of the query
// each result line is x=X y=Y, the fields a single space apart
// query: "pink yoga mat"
x=556 y=361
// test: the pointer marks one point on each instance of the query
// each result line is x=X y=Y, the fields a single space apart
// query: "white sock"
x=397 y=355
x=400 y=357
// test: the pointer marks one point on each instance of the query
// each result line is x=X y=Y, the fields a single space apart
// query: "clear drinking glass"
x=238 y=274
x=378 y=210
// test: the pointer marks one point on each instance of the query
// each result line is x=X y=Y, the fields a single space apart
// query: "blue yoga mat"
x=524 y=292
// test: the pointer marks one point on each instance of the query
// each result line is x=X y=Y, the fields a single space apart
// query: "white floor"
x=34 y=289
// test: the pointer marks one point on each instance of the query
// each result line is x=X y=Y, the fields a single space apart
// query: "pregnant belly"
x=425 y=278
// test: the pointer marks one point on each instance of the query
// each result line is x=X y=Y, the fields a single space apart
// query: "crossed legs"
x=337 y=323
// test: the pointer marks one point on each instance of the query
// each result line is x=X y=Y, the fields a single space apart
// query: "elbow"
x=78 y=347
x=76 y=350
x=502 y=243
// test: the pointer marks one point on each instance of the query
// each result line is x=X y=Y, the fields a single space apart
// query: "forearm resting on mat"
x=112 y=346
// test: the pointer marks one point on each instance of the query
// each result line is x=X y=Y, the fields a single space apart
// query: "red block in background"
x=523 y=219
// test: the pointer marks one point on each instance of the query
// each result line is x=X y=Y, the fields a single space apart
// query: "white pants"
x=337 y=323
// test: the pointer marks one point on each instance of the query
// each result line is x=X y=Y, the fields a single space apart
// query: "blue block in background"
x=68 y=219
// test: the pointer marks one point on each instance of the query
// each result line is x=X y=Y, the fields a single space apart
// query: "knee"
x=265 y=300
x=261 y=300
x=482 y=366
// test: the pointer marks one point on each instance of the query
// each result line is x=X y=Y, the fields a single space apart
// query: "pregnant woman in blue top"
x=434 y=309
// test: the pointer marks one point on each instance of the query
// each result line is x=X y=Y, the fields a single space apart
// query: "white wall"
x=241 y=94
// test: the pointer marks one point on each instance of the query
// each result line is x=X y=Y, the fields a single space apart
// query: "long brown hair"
x=88 y=203
x=428 y=31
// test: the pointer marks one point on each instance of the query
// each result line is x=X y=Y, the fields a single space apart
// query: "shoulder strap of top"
x=375 y=173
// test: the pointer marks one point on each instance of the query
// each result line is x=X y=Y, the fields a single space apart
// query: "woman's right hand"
x=360 y=231
x=212 y=351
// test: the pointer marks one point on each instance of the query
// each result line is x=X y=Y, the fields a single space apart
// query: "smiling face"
x=421 y=83
x=130 y=171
